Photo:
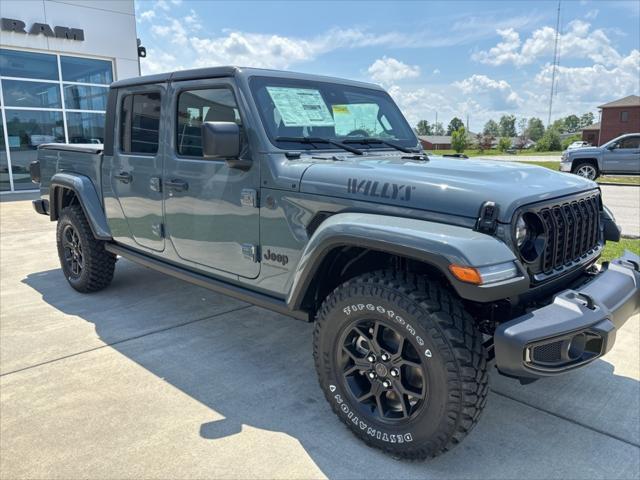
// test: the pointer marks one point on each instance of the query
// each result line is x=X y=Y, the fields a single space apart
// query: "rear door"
x=131 y=177
x=624 y=157
x=211 y=209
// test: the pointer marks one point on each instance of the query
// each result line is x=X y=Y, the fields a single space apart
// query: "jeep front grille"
x=572 y=230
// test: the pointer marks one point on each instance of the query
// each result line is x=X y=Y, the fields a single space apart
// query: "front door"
x=131 y=177
x=624 y=157
x=211 y=210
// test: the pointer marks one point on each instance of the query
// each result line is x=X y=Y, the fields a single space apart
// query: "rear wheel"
x=401 y=363
x=86 y=264
x=586 y=170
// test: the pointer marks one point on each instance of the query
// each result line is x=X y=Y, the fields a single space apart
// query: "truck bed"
x=81 y=158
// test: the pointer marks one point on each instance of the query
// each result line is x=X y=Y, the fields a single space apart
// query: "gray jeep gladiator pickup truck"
x=309 y=196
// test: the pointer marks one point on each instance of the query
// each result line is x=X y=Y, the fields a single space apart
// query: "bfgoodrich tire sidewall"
x=431 y=419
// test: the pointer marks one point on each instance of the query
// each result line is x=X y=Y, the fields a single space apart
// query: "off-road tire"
x=98 y=264
x=588 y=164
x=456 y=371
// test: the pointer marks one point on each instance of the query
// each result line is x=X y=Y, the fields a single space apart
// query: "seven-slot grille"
x=572 y=231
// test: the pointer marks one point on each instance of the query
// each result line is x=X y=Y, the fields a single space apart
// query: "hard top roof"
x=232 y=71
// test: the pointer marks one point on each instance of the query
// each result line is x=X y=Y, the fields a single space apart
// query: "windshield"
x=297 y=109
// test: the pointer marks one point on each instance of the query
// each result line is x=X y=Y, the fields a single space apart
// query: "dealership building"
x=57 y=59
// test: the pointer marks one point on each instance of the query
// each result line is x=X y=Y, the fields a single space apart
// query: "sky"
x=454 y=58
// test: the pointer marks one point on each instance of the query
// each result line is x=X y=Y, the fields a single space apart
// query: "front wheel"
x=586 y=170
x=401 y=363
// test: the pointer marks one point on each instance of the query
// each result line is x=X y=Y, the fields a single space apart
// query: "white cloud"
x=278 y=51
x=387 y=70
x=147 y=15
x=162 y=4
x=498 y=93
x=579 y=41
x=175 y=31
x=596 y=83
x=436 y=71
x=592 y=14
x=158 y=62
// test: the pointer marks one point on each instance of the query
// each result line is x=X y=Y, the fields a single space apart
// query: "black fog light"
x=577 y=346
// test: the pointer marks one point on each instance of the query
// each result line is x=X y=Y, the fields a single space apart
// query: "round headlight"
x=521 y=232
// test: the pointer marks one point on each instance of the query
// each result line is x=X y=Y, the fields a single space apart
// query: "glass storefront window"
x=26 y=129
x=86 y=70
x=85 y=97
x=85 y=127
x=14 y=63
x=18 y=93
x=42 y=94
x=5 y=183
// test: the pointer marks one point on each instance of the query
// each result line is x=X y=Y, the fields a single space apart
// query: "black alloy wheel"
x=73 y=256
x=382 y=371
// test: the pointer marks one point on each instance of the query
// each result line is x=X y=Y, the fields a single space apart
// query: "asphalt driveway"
x=156 y=378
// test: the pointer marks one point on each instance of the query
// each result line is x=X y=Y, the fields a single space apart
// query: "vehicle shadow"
x=255 y=368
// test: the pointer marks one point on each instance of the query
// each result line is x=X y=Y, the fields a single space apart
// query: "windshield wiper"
x=370 y=140
x=312 y=140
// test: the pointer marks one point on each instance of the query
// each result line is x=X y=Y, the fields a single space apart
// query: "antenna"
x=556 y=62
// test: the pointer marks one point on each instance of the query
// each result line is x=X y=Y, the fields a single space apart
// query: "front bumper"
x=565 y=166
x=573 y=330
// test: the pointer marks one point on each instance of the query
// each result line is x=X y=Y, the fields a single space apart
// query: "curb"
x=619 y=184
x=630 y=237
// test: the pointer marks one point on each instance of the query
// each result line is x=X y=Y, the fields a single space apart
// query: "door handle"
x=176 y=185
x=124 y=177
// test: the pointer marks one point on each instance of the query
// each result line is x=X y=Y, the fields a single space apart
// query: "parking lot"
x=156 y=378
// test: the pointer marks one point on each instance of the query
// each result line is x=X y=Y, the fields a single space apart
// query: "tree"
x=571 y=123
x=558 y=126
x=437 y=129
x=569 y=140
x=423 y=128
x=454 y=124
x=491 y=128
x=522 y=139
x=504 y=144
x=507 y=126
x=535 y=129
x=549 y=142
x=485 y=141
x=522 y=126
x=459 y=140
x=586 y=119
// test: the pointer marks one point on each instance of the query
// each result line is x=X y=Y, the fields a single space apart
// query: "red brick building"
x=616 y=118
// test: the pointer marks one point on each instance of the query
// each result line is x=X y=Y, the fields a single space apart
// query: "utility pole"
x=555 y=65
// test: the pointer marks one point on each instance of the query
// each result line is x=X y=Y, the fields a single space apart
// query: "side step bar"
x=258 y=299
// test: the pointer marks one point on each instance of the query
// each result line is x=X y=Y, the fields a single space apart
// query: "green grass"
x=616 y=249
x=631 y=180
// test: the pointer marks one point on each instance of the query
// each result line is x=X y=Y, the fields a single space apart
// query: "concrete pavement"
x=156 y=378
x=624 y=202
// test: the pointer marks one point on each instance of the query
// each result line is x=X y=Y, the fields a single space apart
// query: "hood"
x=445 y=185
x=587 y=150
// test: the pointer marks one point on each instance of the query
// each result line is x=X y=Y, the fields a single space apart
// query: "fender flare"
x=433 y=243
x=86 y=193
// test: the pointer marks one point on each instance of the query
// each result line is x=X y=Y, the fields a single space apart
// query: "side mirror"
x=613 y=146
x=220 y=140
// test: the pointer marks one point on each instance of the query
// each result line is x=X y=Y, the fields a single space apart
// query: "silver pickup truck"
x=620 y=156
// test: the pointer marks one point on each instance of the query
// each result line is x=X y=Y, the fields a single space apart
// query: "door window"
x=198 y=106
x=629 y=142
x=140 y=123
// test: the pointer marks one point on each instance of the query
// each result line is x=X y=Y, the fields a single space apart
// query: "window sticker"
x=301 y=107
x=353 y=117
